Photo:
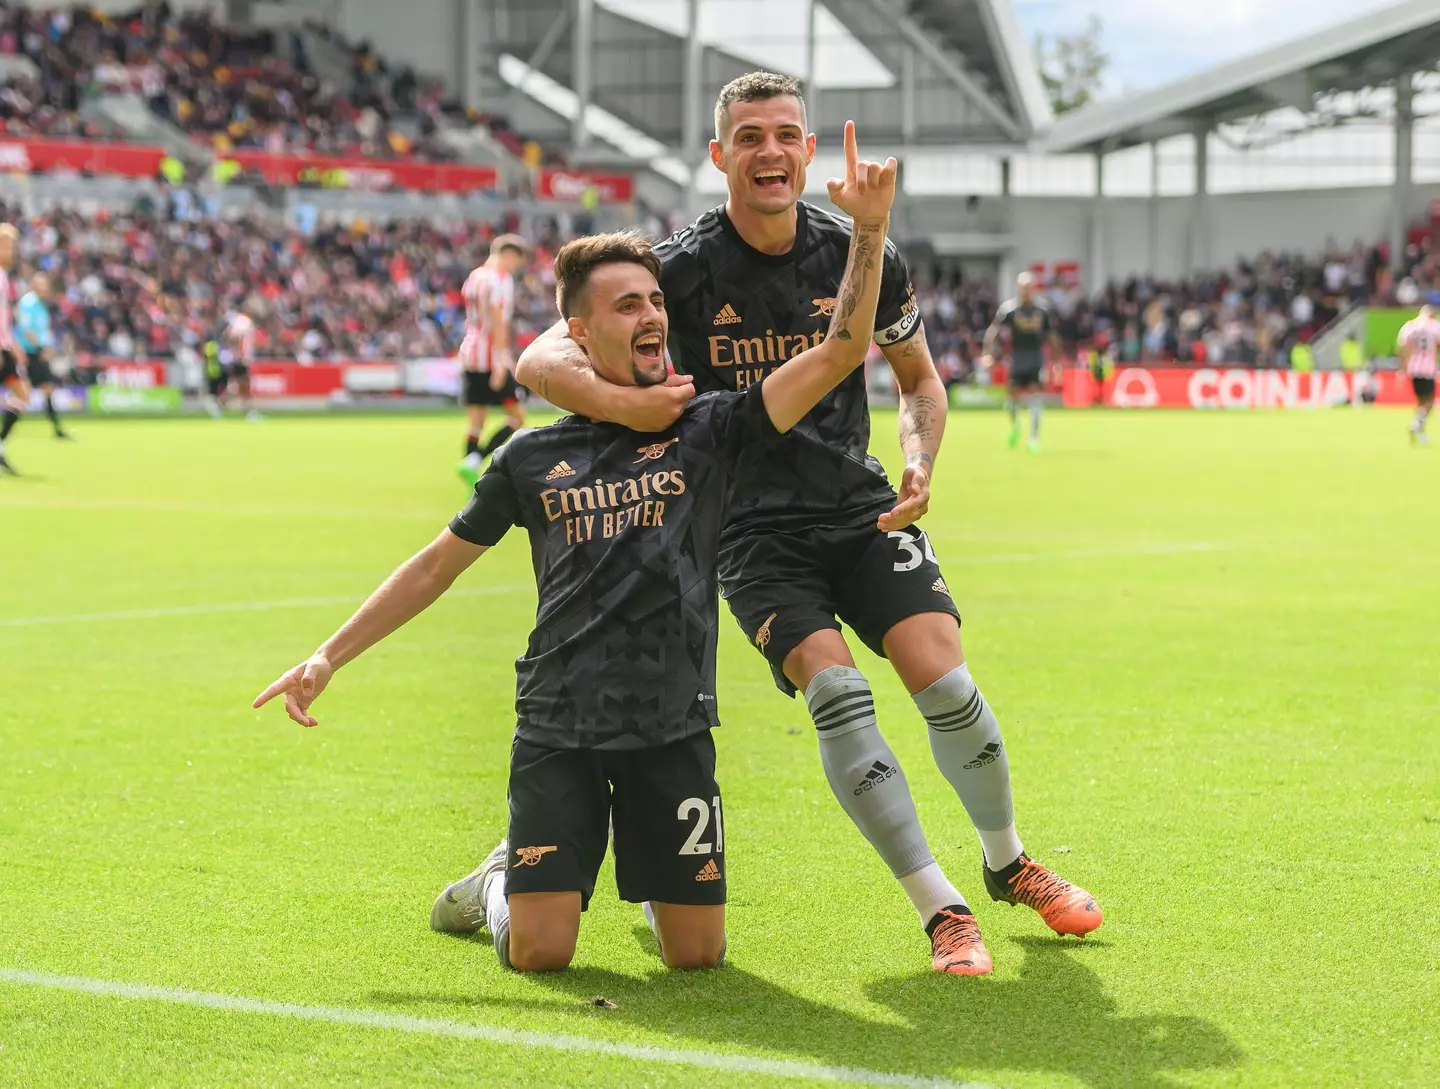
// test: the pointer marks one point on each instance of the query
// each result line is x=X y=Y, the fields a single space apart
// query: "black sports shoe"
x=6 y=467
x=65 y=435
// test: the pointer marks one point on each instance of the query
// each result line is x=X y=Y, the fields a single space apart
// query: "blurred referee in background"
x=36 y=339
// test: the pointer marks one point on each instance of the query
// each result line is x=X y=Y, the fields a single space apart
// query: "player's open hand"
x=654 y=408
x=914 y=500
x=301 y=686
x=868 y=189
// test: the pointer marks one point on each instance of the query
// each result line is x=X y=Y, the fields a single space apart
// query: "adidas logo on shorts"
x=560 y=471
x=940 y=588
x=727 y=316
x=708 y=872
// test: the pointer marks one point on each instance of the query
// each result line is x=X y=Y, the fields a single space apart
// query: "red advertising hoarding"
x=294 y=380
x=571 y=185
x=1177 y=387
x=79 y=156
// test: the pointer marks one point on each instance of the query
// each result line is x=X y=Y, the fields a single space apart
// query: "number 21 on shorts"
x=911 y=555
x=696 y=809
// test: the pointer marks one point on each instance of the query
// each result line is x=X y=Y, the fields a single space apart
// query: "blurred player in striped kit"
x=1419 y=340
x=240 y=334
x=487 y=360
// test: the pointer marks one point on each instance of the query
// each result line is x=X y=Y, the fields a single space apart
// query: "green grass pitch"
x=1211 y=641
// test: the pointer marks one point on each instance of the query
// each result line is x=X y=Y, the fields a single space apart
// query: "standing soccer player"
x=35 y=337
x=486 y=360
x=1031 y=328
x=240 y=333
x=616 y=691
x=13 y=379
x=750 y=285
x=1417 y=346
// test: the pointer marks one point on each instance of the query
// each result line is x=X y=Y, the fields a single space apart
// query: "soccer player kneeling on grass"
x=616 y=691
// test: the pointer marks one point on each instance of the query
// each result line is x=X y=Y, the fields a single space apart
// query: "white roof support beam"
x=965 y=83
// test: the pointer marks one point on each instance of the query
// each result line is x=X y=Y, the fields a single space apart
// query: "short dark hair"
x=754 y=87
x=578 y=259
x=510 y=243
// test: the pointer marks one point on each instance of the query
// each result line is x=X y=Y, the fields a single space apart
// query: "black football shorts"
x=38 y=369
x=794 y=584
x=477 y=390
x=1424 y=388
x=665 y=803
x=1026 y=374
x=10 y=368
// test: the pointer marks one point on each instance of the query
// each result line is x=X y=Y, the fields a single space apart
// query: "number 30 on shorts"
x=911 y=555
x=696 y=809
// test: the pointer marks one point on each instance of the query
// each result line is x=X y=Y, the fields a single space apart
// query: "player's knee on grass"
x=691 y=935
x=814 y=654
x=923 y=648
x=544 y=927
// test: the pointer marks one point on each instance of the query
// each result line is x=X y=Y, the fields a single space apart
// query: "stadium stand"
x=157 y=280
x=150 y=283
x=231 y=88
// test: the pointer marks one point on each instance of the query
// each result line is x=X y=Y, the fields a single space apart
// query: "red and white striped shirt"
x=484 y=288
x=7 y=314
x=1421 y=339
x=241 y=333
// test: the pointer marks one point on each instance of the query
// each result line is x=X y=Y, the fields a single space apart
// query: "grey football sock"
x=497 y=918
x=863 y=773
x=1037 y=407
x=965 y=738
x=1012 y=406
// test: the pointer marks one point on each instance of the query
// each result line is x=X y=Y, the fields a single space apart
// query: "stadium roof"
x=1353 y=56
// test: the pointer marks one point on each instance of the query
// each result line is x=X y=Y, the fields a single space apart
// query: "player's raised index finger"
x=852 y=151
x=269 y=693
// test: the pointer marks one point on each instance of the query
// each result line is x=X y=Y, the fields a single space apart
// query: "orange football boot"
x=1066 y=908
x=956 y=946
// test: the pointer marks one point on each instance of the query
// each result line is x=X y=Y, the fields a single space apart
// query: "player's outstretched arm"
x=558 y=369
x=414 y=587
x=865 y=193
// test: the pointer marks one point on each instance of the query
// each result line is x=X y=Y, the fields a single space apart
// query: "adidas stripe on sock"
x=865 y=776
x=969 y=751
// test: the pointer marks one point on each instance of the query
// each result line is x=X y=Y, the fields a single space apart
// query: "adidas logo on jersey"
x=878 y=773
x=708 y=872
x=727 y=316
x=940 y=588
x=560 y=471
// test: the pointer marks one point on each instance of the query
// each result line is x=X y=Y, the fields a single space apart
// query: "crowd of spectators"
x=1251 y=314
x=149 y=283
x=226 y=86
x=160 y=279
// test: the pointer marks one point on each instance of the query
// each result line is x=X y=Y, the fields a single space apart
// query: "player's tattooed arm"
x=866 y=240
x=866 y=194
x=923 y=406
x=557 y=368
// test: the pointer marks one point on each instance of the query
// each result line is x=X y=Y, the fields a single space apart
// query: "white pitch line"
x=230 y=607
x=710 y=1060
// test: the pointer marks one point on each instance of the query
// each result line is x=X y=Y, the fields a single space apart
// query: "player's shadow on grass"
x=1054 y=1018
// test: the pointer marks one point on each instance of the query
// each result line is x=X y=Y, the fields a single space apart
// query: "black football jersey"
x=737 y=314
x=1029 y=326
x=624 y=532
